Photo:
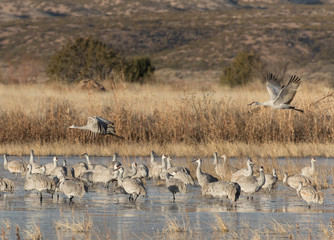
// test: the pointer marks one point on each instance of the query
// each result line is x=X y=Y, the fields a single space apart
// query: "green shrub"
x=92 y=59
x=242 y=69
x=81 y=59
x=137 y=69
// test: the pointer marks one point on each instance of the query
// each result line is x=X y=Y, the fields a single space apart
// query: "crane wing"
x=92 y=124
x=105 y=126
x=273 y=86
x=288 y=92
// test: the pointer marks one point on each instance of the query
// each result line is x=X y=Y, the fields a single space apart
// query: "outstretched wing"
x=92 y=124
x=105 y=126
x=288 y=92
x=273 y=86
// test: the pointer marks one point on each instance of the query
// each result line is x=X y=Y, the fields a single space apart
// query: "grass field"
x=180 y=120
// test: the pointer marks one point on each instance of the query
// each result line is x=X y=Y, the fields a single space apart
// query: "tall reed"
x=142 y=115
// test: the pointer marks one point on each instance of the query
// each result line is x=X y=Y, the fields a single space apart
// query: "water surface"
x=274 y=216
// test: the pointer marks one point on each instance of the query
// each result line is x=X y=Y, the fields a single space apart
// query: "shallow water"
x=271 y=216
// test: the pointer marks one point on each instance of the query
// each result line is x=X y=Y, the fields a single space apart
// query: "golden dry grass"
x=180 y=122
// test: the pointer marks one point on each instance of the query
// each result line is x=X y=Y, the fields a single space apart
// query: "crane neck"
x=31 y=160
x=313 y=165
x=169 y=164
x=215 y=158
x=163 y=163
x=285 y=178
x=152 y=157
x=249 y=169
x=199 y=170
x=262 y=179
x=87 y=159
x=5 y=161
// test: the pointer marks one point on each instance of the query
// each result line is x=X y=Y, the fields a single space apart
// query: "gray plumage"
x=170 y=168
x=243 y=172
x=203 y=178
x=14 y=166
x=220 y=167
x=175 y=185
x=6 y=185
x=130 y=171
x=91 y=165
x=222 y=189
x=155 y=168
x=310 y=171
x=130 y=185
x=280 y=96
x=50 y=166
x=79 y=168
x=184 y=177
x=35 y=167
x=71 y=188
x=114 y=161
x=99 y=125
x=292 y=181
x=251 y=184
x=270 y=181
x=68 y=170
x=39 y=182
x=142 y=171
x=309 y=194
x=104 y=176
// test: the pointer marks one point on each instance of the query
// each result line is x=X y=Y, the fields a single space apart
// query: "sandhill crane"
x=293 y=180
x=251 y=184
x=57 y=171
x=163 y=167
x=79 y=168
x=35 y=167
x=114 y=161
x=270 y=181
x=92 y=165
x=203 y=178
x=99 y=125
x=155 y=168
x=170 y=168
x=71 y=188
x=130 y=171
x=39 y=182
x=6 y=185
x=68 y=170
x=220 y=168
x=130 y=185
x=184 y=177
x=175 y=185
x=309 y=171
x=142 y=171
x=13 y=166
x=243 y=172
x=104 y=176
x=309 y=194
x=50 y=166
x=280 y=96
x=222 y=189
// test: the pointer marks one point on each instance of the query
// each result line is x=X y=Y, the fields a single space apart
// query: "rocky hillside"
x=178 y=34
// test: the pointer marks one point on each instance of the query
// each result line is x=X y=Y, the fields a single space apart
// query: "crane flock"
x=75 y=180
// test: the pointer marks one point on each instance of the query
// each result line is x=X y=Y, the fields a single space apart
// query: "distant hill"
x=177 y=34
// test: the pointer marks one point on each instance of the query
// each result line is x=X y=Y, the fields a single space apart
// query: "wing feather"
x=288 y=92
x=273 y=86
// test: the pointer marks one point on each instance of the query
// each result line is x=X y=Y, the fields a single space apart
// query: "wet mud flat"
x=105 y=215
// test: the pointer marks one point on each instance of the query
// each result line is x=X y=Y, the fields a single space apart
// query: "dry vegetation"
x=183 y=122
